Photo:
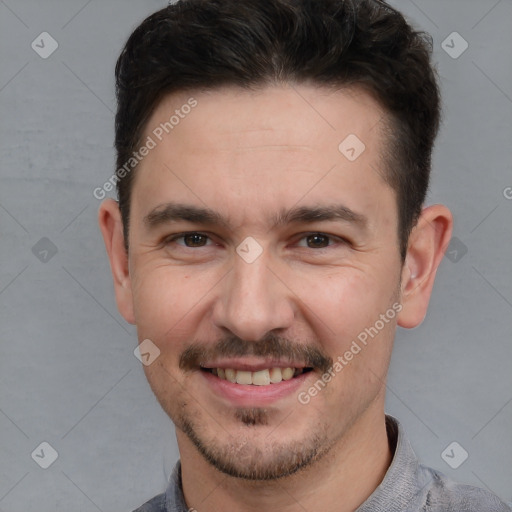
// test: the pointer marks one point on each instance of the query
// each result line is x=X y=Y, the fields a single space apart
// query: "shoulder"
x=156 y=504
x=446 y=495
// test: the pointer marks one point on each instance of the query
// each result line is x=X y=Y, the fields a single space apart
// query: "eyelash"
x=177 y=236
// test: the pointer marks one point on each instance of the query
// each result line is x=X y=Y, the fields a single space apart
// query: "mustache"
x=272 y=345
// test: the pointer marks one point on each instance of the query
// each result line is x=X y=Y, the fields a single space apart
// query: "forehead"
x=270 y=145
x=232 y=118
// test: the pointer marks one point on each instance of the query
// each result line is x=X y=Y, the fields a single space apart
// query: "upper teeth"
x=259 y=378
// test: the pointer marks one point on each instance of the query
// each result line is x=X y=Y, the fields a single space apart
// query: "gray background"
x=68 y=375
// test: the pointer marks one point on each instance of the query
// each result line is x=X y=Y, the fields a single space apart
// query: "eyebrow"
x=175 y=212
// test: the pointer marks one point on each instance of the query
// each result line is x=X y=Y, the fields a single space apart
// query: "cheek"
x=346 y=308
x=345 y=301
x=162 y=299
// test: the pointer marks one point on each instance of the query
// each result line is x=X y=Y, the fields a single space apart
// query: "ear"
x=428 y=242
x=111 y=225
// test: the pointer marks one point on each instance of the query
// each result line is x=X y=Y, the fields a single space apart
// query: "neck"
x=341 y=480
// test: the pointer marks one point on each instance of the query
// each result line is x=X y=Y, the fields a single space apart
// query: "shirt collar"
x=399 y=488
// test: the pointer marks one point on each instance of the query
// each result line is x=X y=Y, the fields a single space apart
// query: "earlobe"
x=111 y=226
x=427 y=244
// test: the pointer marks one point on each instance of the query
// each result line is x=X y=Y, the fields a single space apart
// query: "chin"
x=251 y=452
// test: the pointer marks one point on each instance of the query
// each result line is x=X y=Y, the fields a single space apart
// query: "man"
x=273 y=159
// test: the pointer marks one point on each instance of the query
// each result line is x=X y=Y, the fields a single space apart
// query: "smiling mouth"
x=263 y=377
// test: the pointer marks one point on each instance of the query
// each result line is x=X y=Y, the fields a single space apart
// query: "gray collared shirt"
x=407 y=487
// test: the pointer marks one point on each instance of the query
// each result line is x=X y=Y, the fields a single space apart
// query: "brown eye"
x=317 y=241
x=321 y=241
x=195 y=240
x=189 y=239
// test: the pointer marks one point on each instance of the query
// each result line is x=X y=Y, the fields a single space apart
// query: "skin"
x=248 y=154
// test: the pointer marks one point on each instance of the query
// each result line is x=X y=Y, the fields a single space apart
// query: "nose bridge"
x=253 y=301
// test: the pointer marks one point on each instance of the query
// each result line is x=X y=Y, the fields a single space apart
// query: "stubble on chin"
x=250 y=457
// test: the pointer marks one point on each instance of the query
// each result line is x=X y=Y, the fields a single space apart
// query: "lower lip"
x=247 y=395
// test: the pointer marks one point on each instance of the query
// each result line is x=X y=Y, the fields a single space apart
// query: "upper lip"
x=252 y=365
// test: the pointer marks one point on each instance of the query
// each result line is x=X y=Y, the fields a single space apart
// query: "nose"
x=253 y=300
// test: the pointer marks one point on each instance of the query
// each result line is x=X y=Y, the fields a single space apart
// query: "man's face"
x=263 y=289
